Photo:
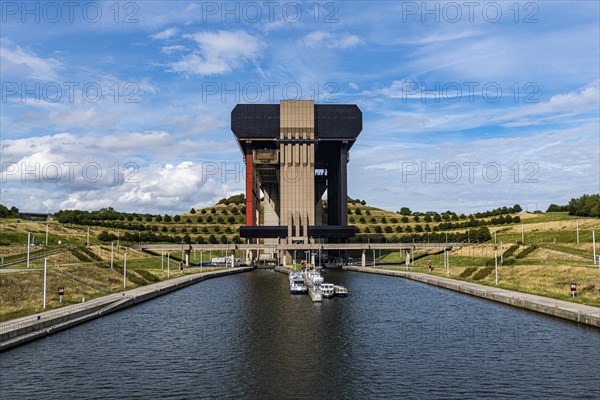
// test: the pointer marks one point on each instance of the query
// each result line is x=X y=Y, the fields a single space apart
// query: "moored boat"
x=297 y=284
x=327 y=289
x=340 y=290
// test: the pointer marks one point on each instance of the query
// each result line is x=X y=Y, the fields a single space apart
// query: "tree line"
x=587 y=205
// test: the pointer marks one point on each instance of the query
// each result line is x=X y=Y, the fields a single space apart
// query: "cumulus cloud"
x=91 y=171
x=218 y=53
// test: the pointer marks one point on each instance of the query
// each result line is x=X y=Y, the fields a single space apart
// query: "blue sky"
x=466 y=106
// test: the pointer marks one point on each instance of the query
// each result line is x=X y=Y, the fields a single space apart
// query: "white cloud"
x=172 y=49
x=323 y=39
x=218 y=53
x=15 y=61
x=552 y=165
x=166 y=34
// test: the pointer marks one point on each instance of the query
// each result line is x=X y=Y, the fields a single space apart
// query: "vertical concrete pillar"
x=363 y=259
x=250 y=201
x=297 y=155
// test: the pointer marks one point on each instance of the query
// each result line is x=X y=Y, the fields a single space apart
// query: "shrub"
x=526 y=252
x=177 y=218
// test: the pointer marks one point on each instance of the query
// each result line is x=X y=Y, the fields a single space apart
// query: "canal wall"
x=581 y=313
x=22 y=330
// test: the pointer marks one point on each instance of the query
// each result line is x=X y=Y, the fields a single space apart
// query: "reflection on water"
x=245 y=336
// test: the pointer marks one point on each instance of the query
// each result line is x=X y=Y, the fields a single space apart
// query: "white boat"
x=340 y=290
x=327 y=289
x=297 y=285
x=315 y=277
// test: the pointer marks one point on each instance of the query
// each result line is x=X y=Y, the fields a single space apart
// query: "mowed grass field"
x=542 y=272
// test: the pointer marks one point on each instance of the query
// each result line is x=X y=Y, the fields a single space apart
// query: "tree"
x=517 y=208
x=203 y=211
x=177 y=218
x=158 y=218
x=416 y=218
x=383 y=220
x=187 y=239
x=418 y=228
x=192 y=211
x=557 y=208
x=363 y=202
x=213 y=211
x=367 y=212
x=357 y=211
x=427 y=218
x=209 y=219
x=388 y=229
x=188 y=221
x=212 y=239
x=167 y=218
x=362 y=220
x=404 y=219
x=199 y=220
x=107 y=237
x=405 y=211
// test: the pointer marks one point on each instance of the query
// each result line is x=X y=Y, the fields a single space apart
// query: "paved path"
x=588 y=315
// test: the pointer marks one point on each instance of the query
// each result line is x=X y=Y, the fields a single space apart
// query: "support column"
x=363 y=260
x=250 y=221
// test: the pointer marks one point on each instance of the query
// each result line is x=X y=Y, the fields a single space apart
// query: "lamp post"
x=125 y=269
x=28 y=246
x=168 y=265
x=45 y=263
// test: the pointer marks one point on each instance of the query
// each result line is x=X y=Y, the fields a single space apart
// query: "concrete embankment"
x=558 y=308
x=22 y=330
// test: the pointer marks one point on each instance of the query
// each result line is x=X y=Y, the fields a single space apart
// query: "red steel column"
x=249 y=189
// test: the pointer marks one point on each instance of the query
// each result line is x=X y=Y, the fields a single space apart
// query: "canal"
x=245 y=336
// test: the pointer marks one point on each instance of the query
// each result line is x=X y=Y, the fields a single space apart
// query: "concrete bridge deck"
x=308 y=246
